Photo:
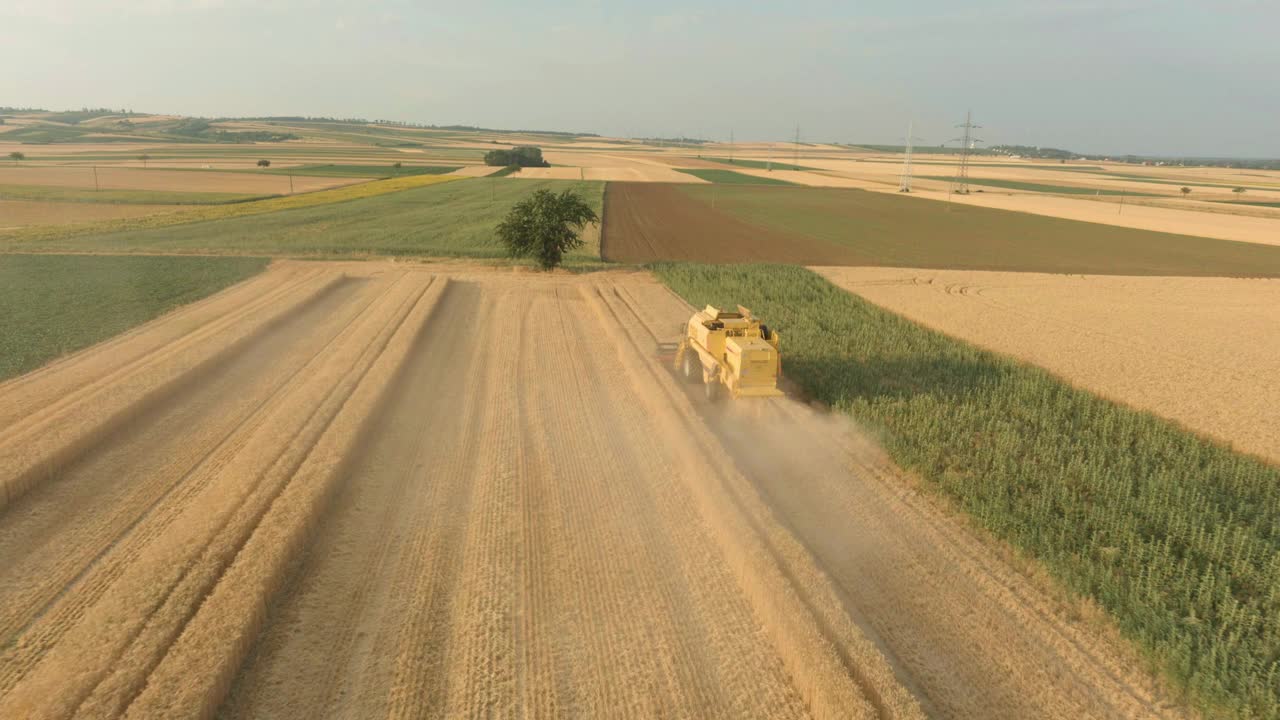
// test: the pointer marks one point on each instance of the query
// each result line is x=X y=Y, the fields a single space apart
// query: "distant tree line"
x=400 y=123
x=1035 y=151
x=673 y=141
x=522 y=156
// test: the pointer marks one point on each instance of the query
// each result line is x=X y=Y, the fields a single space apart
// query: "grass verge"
x=43 y=237
x=453 y=219
x=51 y=305
x=1174 y=535
x=729 y=177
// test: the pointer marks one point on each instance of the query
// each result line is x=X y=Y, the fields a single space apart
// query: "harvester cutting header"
x=730 y=352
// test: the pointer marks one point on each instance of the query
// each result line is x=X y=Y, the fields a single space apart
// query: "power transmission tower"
x=961 y=184
x=796 y=160
x=905 y=185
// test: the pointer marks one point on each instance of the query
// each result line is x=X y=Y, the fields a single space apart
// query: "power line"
x=905 y=184
x=961 y=184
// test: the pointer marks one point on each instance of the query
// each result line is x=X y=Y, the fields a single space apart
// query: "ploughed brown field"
x=656 y=221
x=381 y=490
x=741 y=223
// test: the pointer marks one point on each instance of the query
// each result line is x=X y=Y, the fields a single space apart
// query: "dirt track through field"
x=362 y=490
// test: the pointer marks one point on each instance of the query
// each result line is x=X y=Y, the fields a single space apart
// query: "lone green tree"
x=144 y=158
x=16 y=156
x=264 y=163
x=1239 y=191
x=1186 y=191
x=546 y=225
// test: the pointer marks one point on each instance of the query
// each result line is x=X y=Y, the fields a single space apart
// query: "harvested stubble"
x=366 y=511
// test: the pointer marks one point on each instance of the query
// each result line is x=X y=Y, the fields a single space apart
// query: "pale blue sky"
x=1143 y=76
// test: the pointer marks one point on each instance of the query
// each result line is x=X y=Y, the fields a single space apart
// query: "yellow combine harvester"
x=730 y=352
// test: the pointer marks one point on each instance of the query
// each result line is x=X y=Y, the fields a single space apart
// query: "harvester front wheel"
x=690 y=367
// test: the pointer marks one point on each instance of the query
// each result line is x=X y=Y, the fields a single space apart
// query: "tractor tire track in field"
x=381 y=490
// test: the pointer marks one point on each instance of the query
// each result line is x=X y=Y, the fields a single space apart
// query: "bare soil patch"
x=647 y=222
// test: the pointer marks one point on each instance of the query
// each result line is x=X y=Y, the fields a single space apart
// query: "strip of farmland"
x=742 y=224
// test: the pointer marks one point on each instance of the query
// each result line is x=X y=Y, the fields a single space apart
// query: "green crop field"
x=891 y=230
x=51 y=305
x=729 y=177
x=1040 y=187
x=455 y=218
x=1174 y=535
x=369 y=171
x=55 y=193
x=760 y=164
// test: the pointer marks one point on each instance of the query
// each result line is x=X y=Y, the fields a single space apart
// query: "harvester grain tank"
x=730 y=352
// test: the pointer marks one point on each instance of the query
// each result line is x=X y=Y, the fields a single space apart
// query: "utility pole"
x=961 y=184
x=796 y=160
x=290 y=183
x=730 y=147
x=768 y=164
x=95 y=178
x=905 y=184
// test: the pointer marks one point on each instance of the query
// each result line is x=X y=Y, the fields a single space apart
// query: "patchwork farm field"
x=822 y=226
x=72 y=236
x=322 y=493
x=125 y=178
x=55 y=194
x=437 y=218
x=380 y=478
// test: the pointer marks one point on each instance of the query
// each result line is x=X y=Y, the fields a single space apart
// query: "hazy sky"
x=1143 y=76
